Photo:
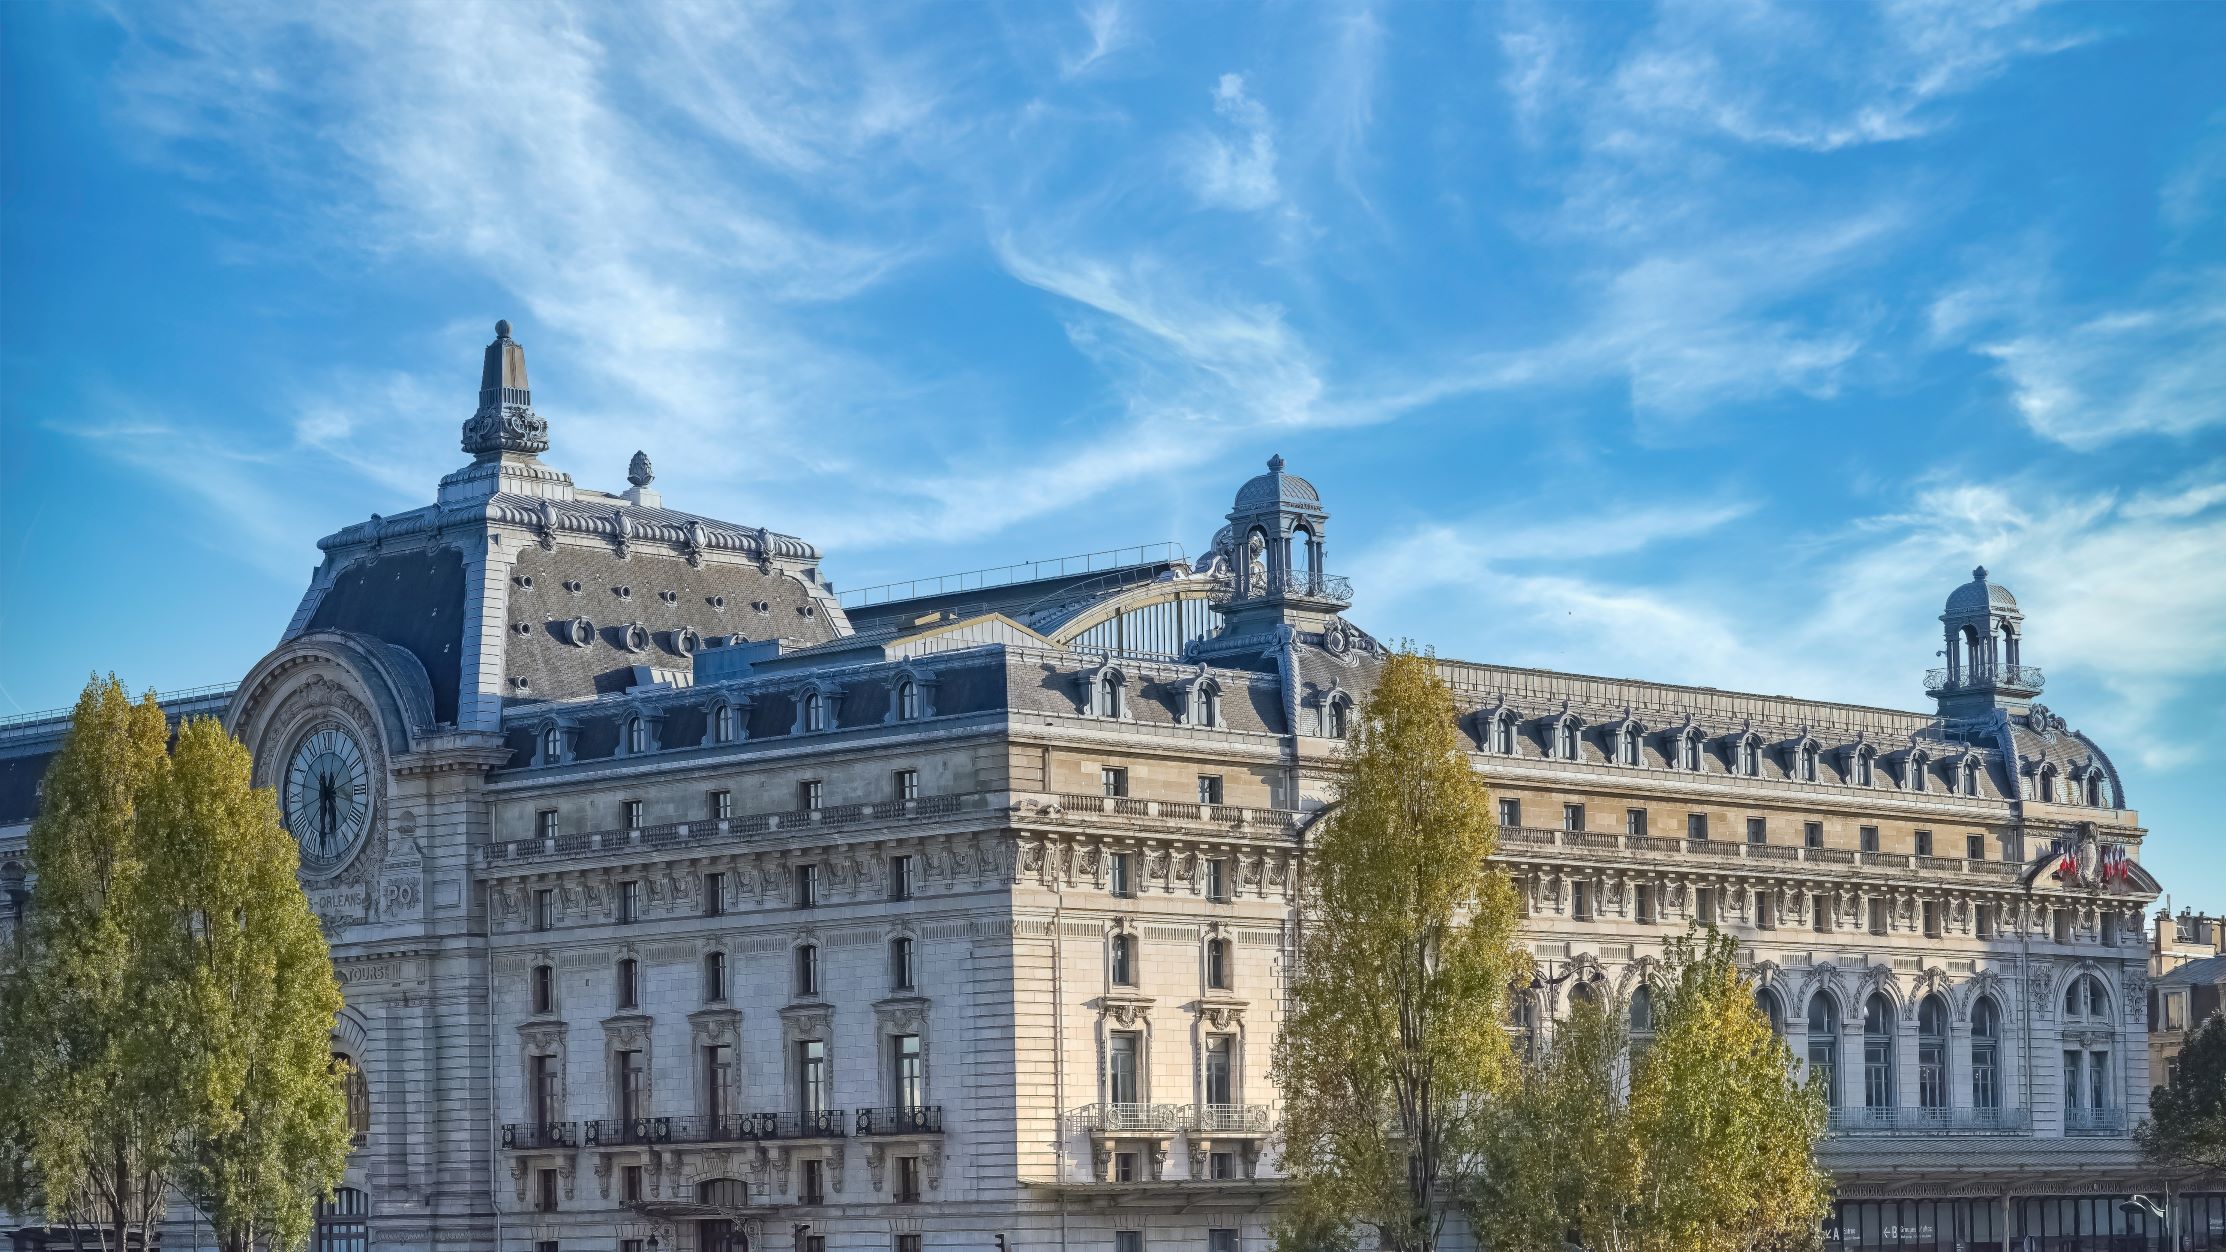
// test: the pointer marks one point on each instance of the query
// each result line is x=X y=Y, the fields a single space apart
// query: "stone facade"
x=693 y=906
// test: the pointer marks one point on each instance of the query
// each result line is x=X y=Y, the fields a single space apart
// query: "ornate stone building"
x=682 y=903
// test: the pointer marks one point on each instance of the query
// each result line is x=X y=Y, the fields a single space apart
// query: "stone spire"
x=505 y=421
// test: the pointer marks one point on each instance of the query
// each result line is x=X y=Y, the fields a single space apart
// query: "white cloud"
x=1108 y=27
x=2157 y=368
x=1236 y=170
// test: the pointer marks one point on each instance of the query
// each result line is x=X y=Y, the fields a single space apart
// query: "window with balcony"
x=1218 y=955
x=1824 y=1046
x=633 y=1085
x=1986 y=1054
x=719 y=805
x=541 y=1087
x=1510 y=812
x=807 y=969
x=1122 y=1048
x=814 y=1081
x=906 y=784
x=1924 y=843
x=900 y=877
x=718 y=1080
x=1209 y=788
x=1120 y=877
x=1878 y=1053
x=630 y=814
x=1758 y=830
x=1696 y=826
x=1634 y=821
x=810 y=795
x=1866 y=838
x=1812 y=834
x=629 y=901
x=714 y=894
x=1114 y=779
x=903 y=976
x=629 y=984
x=714 y=977
x=907 y=1083
x=1124 y=960
x=1220 y=1076
x=545 y=824
x=1572 y=817
x=807 y=886
x=543 y=989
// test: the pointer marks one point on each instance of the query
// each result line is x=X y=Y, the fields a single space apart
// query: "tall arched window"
x=1750 y=757
x=1642 y=1019
x=1932 y=1053
x=1863 y=767
x=1971 y=779
x=1503 y=734
x=1766 y=1003
x=1804 y=761
x=722 y=724
x=2094 y=788
x=1824 y=1046
x=1339 y=716
x=908 y=700
x=1986 y=1054
x=1582 y=993
x=552 y=746
x=355 y=1089
x=1688 y=751
x=1628 y=746
x=1878 y=1053
x=815 y=711
x=342 y=1222
x=1209 y=704
x=1919 y=767
x=637 y=736
x=1565 y=739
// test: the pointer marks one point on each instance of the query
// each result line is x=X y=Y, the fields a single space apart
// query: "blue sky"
x=1710 y=343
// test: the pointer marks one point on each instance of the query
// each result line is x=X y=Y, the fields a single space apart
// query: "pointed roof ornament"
x=505 y=421
x=637 y=470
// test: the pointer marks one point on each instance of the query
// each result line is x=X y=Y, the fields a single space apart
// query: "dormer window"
x=1804 y=761
x=2094 y=788
x=722 y=724
x=2047 y=783
x=1502 y=735
x=1337 y=716
x=1919 y=766
x=1688 y=751
x=1627 y=746
x=1863 y=767
x=815 y=712
x=637 y=736
x=1565 y=739
x=1208 y=711
x=552 y=746
x=1108 y=694
x=908 y=700
x=1750 y=756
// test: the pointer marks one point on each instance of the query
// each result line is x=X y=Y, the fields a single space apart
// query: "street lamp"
x=2149 y=1210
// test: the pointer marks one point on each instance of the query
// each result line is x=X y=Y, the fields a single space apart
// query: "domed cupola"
x=1984 y=633
x=1277 y=551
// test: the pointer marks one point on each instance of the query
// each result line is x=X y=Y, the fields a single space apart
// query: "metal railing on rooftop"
x=1007 y=575
x=165 y=698
x=2020 y=677
x=1525 y=837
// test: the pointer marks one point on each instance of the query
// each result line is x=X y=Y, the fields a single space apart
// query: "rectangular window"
x=1924 y=843
x=721 y=806
x=1932 y=919
x=1572 y=817
x=718 y=1079
x=901 y=966
x=1510 y=812
x=1866 y=838
x=1820 y=913
x=807 y=969
x=1877 y=916
x=1114 y=779
x=631 y=811
x=541 y=1087
x=811 y=1186
x=1634 y=821
x=1696 y=826
x=629 y=983
x=1766 y=911
x=1121 y=1048
x=2098 y=1080
x=1128 y=1240
x=1647 y=912
x=2110 y=929
x=1812 y=834
x=1983 y=914
x=1221 y=1240
x=2175 y=1010
x=2061 y=925
x=1124 y=1170
x=630 y=900
x=1704 y=905
x=1209 y=789
x=1580 y=901
x=1758 y=830
x=807 y=886
x=633 y=1082
x=1217 y=879
x=900 y=877
x=630 y=1187
x=1222 y=1166
x=714 y=977
x=1221 y=1069
x=906 y=784
x=2072 y=1088
x=809 y=793
x=714 y=894
x=813 y=1082
x=543 y=989
x=1974 y=847
x=1121 y=874
x=544 y=909
x=545 y=824
x=545 y=1195
x=908 y=1243
x=908 y=1186
x=906 y=1081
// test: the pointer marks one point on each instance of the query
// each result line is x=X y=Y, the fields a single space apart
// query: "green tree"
x=1725 y=1130
x=2186 y=1129
x=1393 y=1046
x=257 y=994
x=169 y=1011
x=1703 y=1140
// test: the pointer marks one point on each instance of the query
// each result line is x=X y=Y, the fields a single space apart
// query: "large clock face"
x=328 y=796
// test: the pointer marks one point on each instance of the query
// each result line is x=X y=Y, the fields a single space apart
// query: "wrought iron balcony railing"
x=1227 y=1119
x=1924 y=1121
x=1317 y=586
x=1137 y=1119
x=819 y=1124
x=529 y=1136
x=2094 y=1121
x=2015 y=677
x=701 y=1128
x=911 y=1119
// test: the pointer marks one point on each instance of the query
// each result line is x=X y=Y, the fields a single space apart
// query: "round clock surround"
x=327 y=794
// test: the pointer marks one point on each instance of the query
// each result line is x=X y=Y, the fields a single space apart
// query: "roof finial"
x=637 y=470
x=1978 y=575
x=1275 y=463
x=505 y=421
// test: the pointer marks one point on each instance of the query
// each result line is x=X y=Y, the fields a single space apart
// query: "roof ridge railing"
x=161 y=697
x=1007 y=575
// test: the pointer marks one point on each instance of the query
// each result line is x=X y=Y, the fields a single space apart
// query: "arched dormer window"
x=1106 y=691
x=1688 y=750
x=2046 y=781
x=1865 y=766
x=552 y=745
x=723 y=723
x=1201 y=700
x=1565 y=739
x=815 y=712
x=1748 y=756
x=908 y=700
x=1970 y=777
x=2094 y=788
x=1501 y=735
x=1627 y=746
x=1804 y=760
x=1337 y=715
x=637 y=736
x=1919 y=767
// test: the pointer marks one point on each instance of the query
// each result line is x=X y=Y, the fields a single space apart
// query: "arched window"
x=815 y=711
x=1642 y=1014
x=637 y=736
x=1217 y=964
x=1582 y=993
x=722 y=724
x=1824 y=1046
x=1565 y=739
x=2085 y=998
x=1878 y=1053
x=2047 y=784
x=2094 y=788
x=552 y=746
x=714 y=977
x=342 y=1222
x=1124 y=960
x=1503 y=734
x=1688 y=751
x=1919 y=766
x=1110 y=692
x=1628 y=746
x=1804 y=760
x=355 y=1089
x=1971 y=779
x=1339 y=716
x=1864 y=773
x=1986 y=1054
x=1932 y=1053
x=1766 y=1003
x=723 y=1192
x=1750 y=756
x=1208 y=712
x=908 y=700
